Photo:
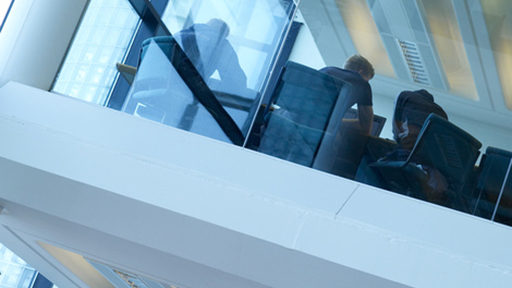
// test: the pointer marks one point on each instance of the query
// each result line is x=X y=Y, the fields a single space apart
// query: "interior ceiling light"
x=408 y=41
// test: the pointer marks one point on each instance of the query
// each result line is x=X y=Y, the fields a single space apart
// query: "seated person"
x=358 y=72
x=411 y=110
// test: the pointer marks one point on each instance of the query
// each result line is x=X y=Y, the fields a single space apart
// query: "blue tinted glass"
x=232 y=54
x=102 y=40
x=160 y=94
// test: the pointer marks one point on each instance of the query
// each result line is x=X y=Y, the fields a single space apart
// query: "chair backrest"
x=494 y=186
x=307 y=100
x=165 y=43
x=447 y=148
x=159 y=65
x=308 y=94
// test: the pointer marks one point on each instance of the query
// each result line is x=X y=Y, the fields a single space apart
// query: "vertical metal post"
x=501 y=191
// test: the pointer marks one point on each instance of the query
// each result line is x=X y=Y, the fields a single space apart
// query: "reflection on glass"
x=232 y=55
x=160 y=94
x=363 y=31
x=503 y=211
x=449 y=43
x=494 y=186
x=497 y=17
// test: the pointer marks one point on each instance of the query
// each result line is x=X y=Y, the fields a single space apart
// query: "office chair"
x=443 y=150
x=299 y=115
x=494 y=186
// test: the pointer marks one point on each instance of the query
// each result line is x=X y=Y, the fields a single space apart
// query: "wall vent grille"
x=414 y=62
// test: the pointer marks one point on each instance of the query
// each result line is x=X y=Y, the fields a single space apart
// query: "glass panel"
x=159 y=93
x=101 y=41
x=232 y=54
x=305 y=114
x=238 y=65
x=497 y=16
x=450 y=46
x=504 y=211
x=303 y=123
x=363 y=31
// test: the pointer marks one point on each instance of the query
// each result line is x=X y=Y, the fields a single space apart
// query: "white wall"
x=35 y=38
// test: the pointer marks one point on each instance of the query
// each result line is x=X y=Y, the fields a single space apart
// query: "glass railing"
x=164 y=93
x=209 y=76
x=192 y=82
x=492 y=197
x=102 y=39
x=301 y=124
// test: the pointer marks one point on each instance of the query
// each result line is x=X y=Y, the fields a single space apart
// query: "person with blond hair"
x=343 y=153
x=357 y=71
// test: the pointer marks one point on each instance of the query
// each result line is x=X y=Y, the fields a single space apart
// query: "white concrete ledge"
x=143 y=197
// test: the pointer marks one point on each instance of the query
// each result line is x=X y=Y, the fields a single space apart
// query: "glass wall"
x=211 y=75
x=102 y=40
x=235 y=66
x=434 y=46
x=232 y=46
x=357 y=17
x=255 y=29
x=14 y=272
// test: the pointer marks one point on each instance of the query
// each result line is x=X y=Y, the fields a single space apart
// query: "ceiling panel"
x=466 y=44
x=470 y=46
x=365 y=34
x=499 y=27
x=450 y=46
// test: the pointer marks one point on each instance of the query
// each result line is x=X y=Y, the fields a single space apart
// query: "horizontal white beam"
x=129 y=192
